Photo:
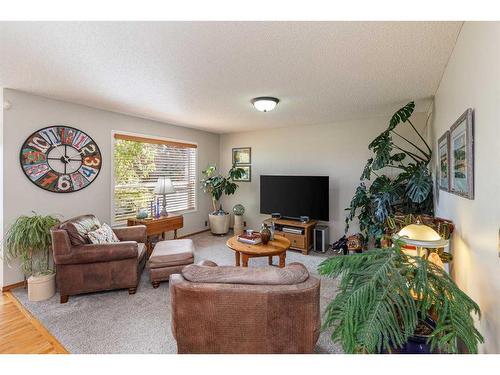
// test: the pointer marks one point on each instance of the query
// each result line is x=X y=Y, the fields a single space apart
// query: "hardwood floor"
x=21 y=333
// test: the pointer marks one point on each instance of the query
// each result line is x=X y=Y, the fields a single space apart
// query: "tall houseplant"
x=385 y=295
x=29 y=240
x=409 y=192
x=216 y=185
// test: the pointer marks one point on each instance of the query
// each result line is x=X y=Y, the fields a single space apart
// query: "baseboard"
x=20 y=284
x=192 y=234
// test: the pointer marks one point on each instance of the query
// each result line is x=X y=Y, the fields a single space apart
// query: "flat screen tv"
x=295 y=196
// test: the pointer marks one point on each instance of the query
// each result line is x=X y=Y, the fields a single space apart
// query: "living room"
x=250 y=187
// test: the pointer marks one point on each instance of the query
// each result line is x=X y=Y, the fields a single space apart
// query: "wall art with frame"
x=443 y=171
x=461 y=156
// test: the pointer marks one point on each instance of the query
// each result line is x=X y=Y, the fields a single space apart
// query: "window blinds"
x=139 y=161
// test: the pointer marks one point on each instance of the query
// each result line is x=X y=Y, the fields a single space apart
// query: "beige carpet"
x=114 y=322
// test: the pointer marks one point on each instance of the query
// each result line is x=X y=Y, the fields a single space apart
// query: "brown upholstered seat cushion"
x=78 y=228
x=294 y=273
x=171 y=253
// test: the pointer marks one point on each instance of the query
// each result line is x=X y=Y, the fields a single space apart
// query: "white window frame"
x=160 y=138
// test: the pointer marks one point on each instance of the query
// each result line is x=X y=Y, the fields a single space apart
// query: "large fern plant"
x=382 y=295
x=410 y=192
x=29 y=240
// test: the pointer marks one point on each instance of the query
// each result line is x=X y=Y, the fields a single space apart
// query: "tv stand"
x=303 y=241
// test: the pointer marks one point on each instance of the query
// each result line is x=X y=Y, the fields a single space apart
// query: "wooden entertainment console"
x=302 y=242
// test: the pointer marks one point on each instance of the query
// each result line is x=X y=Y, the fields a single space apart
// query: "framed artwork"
x=444 y=162
x=60 y=159
x=462 y=156
x=247 y=175
x=242 y=155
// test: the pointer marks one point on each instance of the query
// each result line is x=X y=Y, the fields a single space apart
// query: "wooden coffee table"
x=278 y=247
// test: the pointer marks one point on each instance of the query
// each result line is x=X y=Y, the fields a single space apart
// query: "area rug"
x=116 y=322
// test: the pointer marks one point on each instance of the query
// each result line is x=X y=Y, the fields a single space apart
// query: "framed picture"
x=444 y=162
x=242 y=155
x=247 y=175
x=462 y=156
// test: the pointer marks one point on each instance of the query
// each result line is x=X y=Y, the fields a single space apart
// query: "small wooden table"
x=278 y=247
x=158 y=227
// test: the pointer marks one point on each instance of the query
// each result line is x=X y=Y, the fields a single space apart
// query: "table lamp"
x=163 y=187
x=420 y=237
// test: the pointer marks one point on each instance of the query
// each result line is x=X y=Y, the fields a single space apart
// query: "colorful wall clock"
x=60 y=159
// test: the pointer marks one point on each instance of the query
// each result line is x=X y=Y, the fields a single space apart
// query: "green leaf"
x=419 y=185
x=367 y=170
x=402 y=115
x=400 y=156
x=382 y=147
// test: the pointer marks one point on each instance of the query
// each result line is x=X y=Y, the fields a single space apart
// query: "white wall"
x=472 y=79
x=338 y=150
x=30 y=112
x=1 y=184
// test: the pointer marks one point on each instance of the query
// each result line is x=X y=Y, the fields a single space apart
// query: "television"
x=295 y=196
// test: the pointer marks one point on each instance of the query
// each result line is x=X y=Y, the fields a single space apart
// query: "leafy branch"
x=216 y=185
x=376 y=309
x=409 y=192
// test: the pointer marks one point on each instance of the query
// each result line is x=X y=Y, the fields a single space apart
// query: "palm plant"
x=384 y=293
x=29 y=240
x=216 y=184
x=409 y=192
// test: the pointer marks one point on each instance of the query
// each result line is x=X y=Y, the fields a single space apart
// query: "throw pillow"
x=103 y=235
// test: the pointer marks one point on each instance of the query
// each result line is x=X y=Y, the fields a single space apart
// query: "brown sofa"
x=245 y=310
x=82 y=267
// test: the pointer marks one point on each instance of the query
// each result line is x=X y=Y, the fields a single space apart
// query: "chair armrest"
x=133 y=233
x=95 y=253
x=61 y=244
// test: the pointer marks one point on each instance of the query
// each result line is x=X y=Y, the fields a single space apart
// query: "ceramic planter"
x=42 y=287
x=219 y=224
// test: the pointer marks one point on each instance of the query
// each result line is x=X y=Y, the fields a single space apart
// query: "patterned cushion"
x=78 y=228
x=103 y=235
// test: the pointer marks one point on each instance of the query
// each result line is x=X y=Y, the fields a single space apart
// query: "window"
x=139 y=161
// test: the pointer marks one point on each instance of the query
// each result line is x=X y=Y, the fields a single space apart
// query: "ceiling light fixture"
x=265 y=103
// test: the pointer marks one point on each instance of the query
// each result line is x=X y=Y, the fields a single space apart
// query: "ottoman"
x=169 y=257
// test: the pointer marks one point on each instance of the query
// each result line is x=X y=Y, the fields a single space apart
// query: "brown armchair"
x=82 y=267
x=245 y=310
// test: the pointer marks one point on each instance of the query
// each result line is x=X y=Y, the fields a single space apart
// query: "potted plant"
x=389 y=301
x=408 y=192
x=216 y=185
x=29 y=240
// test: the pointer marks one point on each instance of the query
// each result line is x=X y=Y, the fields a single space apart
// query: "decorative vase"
x=238 y=225
x=142 y=214
x=265 y=234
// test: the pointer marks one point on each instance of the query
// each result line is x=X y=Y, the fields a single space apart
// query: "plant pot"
x=219 y=224
x=42 y=287
x=417 y=344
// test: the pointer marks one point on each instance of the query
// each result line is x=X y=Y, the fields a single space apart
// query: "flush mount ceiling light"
x=265 y=103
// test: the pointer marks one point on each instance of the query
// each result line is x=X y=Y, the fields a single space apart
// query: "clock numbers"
x=88 y=150
x=60 y=159
x=48 y=179
x=92 y=161
x=40 y=144
x=64 y=183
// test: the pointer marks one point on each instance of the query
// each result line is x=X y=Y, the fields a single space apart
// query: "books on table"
x=252 y=239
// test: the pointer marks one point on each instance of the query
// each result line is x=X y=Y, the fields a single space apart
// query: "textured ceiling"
x=204 y=74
